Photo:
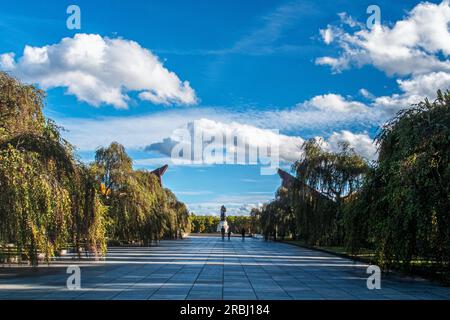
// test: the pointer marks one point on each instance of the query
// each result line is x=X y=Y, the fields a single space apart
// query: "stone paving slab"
x=199 y=268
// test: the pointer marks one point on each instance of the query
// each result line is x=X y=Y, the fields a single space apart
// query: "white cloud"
x=100 y=70
x=240 y=205
x=134 y=132
x=411 y=46
x=414 y=89
x=254 y=137
x=348 y=20
x=137 y=132
x=335 y=103
x=320 y=113
x=157 y=129
x=366 y=94
x=7 y=61
x=425 y=85
x=336 y=64
x=361 y=143
x=415 y=49
x=290 y=146
x=327 y=34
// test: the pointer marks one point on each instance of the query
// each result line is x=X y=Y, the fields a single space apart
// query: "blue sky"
x=138 y=70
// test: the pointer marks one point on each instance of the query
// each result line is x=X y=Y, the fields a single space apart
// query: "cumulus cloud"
x=415 y=49
x=217 y=136
x=360 y=142
x=320 y=113
x=100 y=70
x=7 y=62
x=425 y=85
x=334 y=102
x=414 y=89
x=411 y=46
x=290 y=146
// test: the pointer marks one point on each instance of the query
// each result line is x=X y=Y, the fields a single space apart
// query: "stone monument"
x=223 y=220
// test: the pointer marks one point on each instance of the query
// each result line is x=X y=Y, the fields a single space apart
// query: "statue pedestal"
x=224 y=224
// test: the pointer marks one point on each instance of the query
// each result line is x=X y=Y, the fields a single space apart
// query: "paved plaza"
x=210 y=268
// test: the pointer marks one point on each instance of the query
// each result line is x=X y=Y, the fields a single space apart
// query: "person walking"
x=222 y=230
x=243 y=233
x=229 y=233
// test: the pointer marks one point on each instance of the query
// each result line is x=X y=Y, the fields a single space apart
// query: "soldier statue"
x=222 y=213
x=223 y=225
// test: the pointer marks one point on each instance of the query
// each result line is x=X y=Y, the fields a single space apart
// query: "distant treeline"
x=208 y=224
x=49 y=201
x=397 y=207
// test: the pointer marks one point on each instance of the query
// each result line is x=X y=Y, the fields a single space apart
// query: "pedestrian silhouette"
x=229 y=233
x=222 y=230
x=243 y=233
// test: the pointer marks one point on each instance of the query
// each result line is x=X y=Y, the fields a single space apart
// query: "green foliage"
x=311 y=208
x=39 y=178
x=20 y=108
x=277 y=218
x=398 y=208
x=204 y=224
x=113 y=167
x=139 y=209
x=49 y=202
x=236 y=223
x=30 y=216
x=89 y=214
x=208 y=224
x=406 y=200
x=255 y=221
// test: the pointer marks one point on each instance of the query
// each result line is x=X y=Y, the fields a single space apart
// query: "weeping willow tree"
x=277 y=218
x=255 y=220
x=46 y=202
x=89 y=223
x=139 y=208
x=310 y=207
x=178 y=216
x=404 y=208
x=50 y=202
x=325 y=182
